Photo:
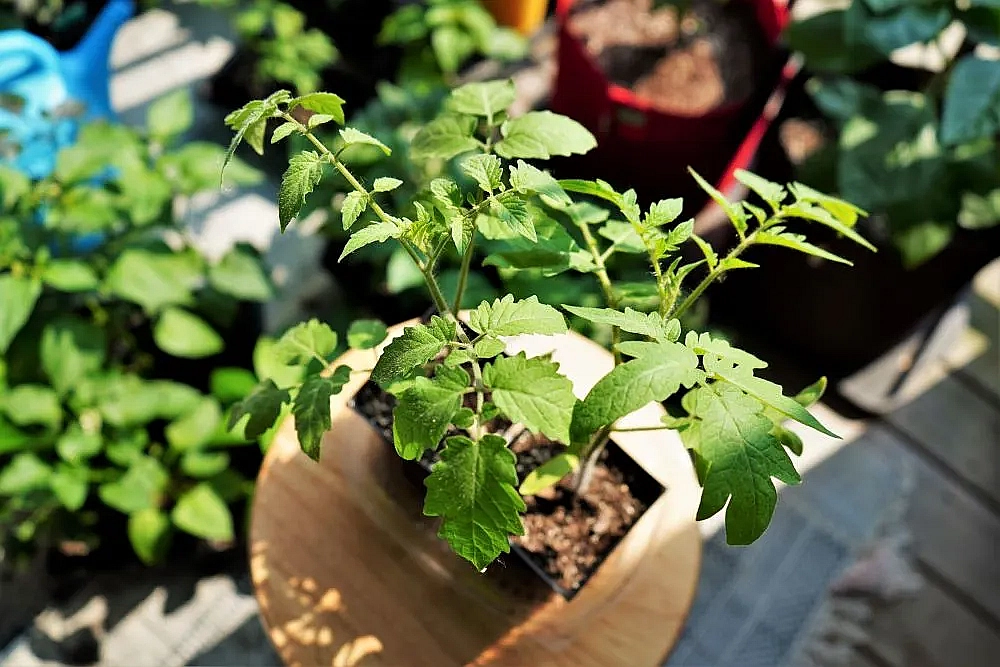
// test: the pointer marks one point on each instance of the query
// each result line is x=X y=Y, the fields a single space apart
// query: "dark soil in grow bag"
x=567 y=536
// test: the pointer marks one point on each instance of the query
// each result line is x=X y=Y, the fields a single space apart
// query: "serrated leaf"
x=306 y=341
x=489 y=347
x=305 y=170
x=149 y=532
x=549 y=473
x=770 y=394
x=324 y=103
x=511 y=210
x=552 y=252
x=386 y=184
x=415 y=347
x=532 y=392
x=366 y=334
x=472 y=489
x=486 y=170
x=249 y=122
x=378 y=232
x=740 y=456
x=459 y=357
x=263 y=405
x=623 y=237
x=354 y=205
x=353 y=137
x=202 y=513
x=424 y=411
x=733 y=211
x=798 y=242
x=772 y=193
x=652 y=325
x=311 y=409
x=528 y=179
x=17 y=299
x=182 y=334
x=658 y=372
x=663 y=212
x=506 y=317
x=706 y=249
x=819 y=214
x=283 y=131
x=542 y=134
x=444 y=138
x=482 y=99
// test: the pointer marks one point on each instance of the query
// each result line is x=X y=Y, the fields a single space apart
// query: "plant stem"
x=463 y=274
x=610 y=298
x=636 y=429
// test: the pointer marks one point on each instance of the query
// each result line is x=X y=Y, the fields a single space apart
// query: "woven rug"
x=802 y=594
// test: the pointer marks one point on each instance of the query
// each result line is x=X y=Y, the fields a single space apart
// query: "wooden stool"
x=348 y=571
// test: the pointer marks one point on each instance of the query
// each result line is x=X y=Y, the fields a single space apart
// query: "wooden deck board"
x=984 y=368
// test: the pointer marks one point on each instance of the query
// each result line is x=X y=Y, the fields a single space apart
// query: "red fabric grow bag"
x=642 y=147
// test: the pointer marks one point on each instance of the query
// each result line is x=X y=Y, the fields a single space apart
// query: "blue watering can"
x=32 y=70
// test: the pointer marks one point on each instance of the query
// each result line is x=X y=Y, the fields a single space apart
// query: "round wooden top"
x=348 y=571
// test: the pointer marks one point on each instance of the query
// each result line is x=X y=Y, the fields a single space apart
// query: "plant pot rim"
x=628 y=599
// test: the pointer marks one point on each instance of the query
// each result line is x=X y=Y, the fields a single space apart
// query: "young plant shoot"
x=451 y=380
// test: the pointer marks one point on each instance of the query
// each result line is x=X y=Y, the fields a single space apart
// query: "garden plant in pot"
x=658 y=80
x=112 y=428
x=915 y=147
x=514 y=434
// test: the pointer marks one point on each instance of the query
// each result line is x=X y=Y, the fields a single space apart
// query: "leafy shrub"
x=732 y=419
x=101 y=291
x=926 y=156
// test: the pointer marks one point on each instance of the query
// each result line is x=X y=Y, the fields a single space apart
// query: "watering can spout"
x=85 y=67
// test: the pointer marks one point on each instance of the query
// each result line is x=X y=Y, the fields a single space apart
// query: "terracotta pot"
x=344 y=563
x=525 y=16
x=648 y=149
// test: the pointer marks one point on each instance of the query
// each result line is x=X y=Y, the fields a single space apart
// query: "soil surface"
x=688 y=64
x=567 y=536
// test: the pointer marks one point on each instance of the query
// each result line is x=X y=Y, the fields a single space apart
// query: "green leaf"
x=797 y=242
x=153 y=280
x=424 y=411
x=17 y=300
x=904 y=26
x=921 y=241
x=846 y=212
x=202 y=465
x=823 y=40
x=149 y=532
x=70 y=275
x=353 y=137
x=552 y=252
x=31 y=404
x=140 y=488
x=737 y=216
x=972 y=101
x=324 y=103
x=305 y=170
x=532 y=392
x=354 y=205
x=652 y=325
x=249 y=122
x=528 y=179
x=506 y=317
x=366 y=334
x=386 y=184
x=772 y=193
x=13 y=186
x=486 y=170
x=542 y=134
x=25 y=472
x=549 y=473
x=451 y=47
x=472 y=489
x=283 y=131
x=623 y=237
x=733 y=438
x=489 y=347
x=71 y=348
x=129 y=401
x=241 y=274
x=318 y=119
x=311 y=408
x=305 y=342
x=788 y=439
x=658 y=372
x=196 y=427
x=512 y=211
x=77 y=445
x=822 y=216
x=182 y=334
x=378 y=232
x=482 y=99
x=202 y=513
x=263 y=405
x=171 y=115
x=69 y=484
x=979 y=212
x=444 y=138
x=418 y=345
x=267 y=365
